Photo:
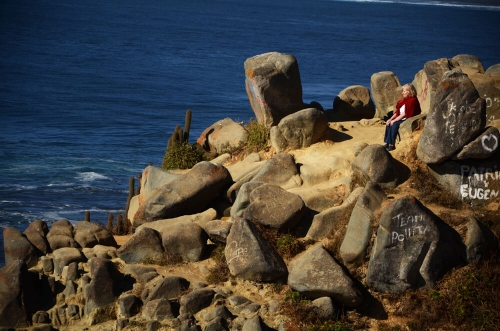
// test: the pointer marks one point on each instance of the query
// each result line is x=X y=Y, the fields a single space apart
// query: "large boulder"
x=273 y=86
x=299 y=130
x=89 y=234
x=196 y=300
x=413 y=248
x=457 y=116
x=36 y=233
x=185 y=239
x=250 y=256
x=481 y=242
x=274 y=207
x=64 y=256
x=384 y=91
x=18 y=247
x=243 y=198
x=189 y=194
x=280 y=170
x=427 y=80
x=375 y=163
x=200 y=218
x=324 y=222
x=223 y=135
x=100 y=292
x=359 y=229
x=476 y=182
x=484 y=146
x=144 y=245
x=17 y=295
x=170 y=288
x=354 y=103
x=61 y=235
x=316 y=274
x=486 y=82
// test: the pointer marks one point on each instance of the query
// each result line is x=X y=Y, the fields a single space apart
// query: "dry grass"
x=219 y=273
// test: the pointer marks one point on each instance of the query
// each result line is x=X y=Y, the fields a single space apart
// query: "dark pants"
x=391 y=131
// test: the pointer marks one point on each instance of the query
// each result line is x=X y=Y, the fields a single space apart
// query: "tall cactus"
x=87 y=216
x=131 y=189
x=187 y=125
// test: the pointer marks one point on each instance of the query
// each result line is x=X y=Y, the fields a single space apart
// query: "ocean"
x=90 y=91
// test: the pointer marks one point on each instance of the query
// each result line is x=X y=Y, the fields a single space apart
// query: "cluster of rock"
x=78 y=275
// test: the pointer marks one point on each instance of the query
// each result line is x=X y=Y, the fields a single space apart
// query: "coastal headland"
x=319 y=228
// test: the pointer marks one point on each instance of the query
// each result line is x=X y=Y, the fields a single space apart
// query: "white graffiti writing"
x=476 y=182
x=238 y=252
x=489 y=140
x=408 y=226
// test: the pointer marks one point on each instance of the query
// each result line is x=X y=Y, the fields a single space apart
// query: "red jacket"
x=412 y=106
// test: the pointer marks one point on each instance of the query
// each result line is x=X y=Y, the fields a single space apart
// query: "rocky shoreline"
x=325 y=215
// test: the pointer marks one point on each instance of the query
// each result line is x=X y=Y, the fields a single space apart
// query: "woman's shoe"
x=391 y=148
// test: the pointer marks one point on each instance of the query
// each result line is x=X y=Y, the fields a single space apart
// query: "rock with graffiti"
x=457 y=116
x=487 y=82
x=476 y=182
x=413 y=248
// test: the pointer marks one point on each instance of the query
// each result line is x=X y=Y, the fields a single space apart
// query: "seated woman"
x=405 y=108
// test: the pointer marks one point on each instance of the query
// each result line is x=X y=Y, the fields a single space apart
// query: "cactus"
x=187 y=125
x=87 y=216
x=120 y=225
x=131 y=189
x=111 y=223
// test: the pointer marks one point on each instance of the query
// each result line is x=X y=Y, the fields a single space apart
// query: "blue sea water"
x=90 y=91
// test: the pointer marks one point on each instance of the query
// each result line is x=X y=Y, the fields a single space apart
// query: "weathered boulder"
x=220 y=312
x=218 y=230
x=196 y=300
x=280 y=170
x=157 y=310
x=427 y=79
x=475 y=182
x=189 y=194
x=375 y=163
x=223 y=135
x=325 y=195
x=200 y=218
x=360 y=226
x=274 y=207
x=354 y=103
x=17 y=295
x=384 y=91
x=457 y=116
x=38 y=226
x=242 y=200
x=138 y=271
x=316 y=274
x=273 y=86
x=185 y=239
x=411 y=125
x=469 y=64
x=145 y=244
x=241 y=169
x=129 y=305
x=61 y=235
x=481 y=242
x=250 y=256
x=324 y=222
x=18 y=247
x=64 y=256
x=413 y=248
x=299 y=130
x=89 y=234
x=169 y=288
x=100 y=292
x=254 y=324
x=484 y=146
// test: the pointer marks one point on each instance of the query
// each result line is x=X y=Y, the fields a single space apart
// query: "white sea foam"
x=90 y=176
x=431 y=3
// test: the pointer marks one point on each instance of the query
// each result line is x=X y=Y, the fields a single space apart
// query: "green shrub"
x=181 y=156
x=258 y=136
